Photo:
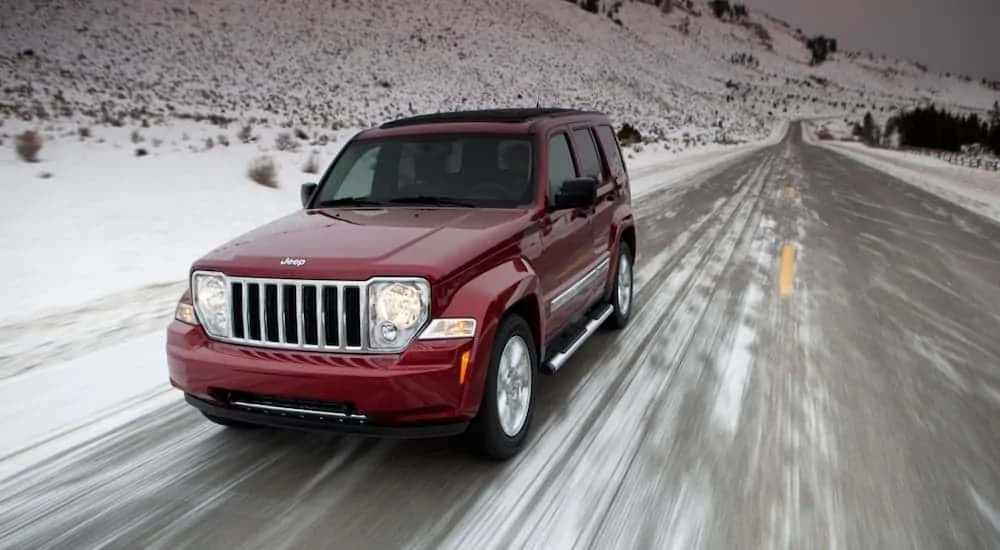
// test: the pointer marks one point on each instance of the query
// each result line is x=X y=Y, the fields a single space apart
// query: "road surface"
x=814 y=362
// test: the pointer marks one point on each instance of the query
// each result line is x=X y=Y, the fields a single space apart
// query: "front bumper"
x=313 y=420
x=417 y=393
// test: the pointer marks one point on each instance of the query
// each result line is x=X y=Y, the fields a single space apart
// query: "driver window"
x=561 y=167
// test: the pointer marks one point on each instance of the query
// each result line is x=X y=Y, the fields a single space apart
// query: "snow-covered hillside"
x=327 y=64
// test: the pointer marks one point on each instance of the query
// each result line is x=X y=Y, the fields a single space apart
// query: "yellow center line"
x=787 y=280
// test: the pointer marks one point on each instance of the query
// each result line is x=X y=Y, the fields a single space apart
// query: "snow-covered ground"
x=974 y=189
x=72 y=401
x=98 y=240
x=112 y=221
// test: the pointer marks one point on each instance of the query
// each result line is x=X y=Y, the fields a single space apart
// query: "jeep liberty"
x=440 y=265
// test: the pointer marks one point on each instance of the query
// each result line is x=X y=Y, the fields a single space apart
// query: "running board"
x=559 y=359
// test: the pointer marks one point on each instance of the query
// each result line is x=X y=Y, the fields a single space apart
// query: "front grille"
x=281 y=313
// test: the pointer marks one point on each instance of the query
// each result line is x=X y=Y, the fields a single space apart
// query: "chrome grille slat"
x=281 y=317
x=262 y=319
x=245 y=302
x=341 y=317
x=321 y=316
x=313 y=318
x=299 y=321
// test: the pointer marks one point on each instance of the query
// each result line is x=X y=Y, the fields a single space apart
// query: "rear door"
x=613 y=161
x=592 y=164
x=617 y=191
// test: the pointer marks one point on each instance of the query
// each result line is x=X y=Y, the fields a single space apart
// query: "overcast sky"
x=960 y=36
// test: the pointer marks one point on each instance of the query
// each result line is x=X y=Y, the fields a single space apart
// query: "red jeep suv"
x=441 y=263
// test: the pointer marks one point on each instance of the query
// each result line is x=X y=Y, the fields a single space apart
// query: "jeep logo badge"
x=297 y=262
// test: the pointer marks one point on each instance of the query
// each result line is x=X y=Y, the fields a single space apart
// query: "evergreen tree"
x=720 y=8
x=993 y=140
x=869 y=130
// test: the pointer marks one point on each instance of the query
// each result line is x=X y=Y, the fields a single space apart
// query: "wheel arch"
x=509 y=286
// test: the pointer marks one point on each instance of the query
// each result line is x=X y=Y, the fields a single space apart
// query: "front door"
x=566 y=243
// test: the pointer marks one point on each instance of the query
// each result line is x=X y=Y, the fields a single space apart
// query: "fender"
x=486 y=298
x=623 y=221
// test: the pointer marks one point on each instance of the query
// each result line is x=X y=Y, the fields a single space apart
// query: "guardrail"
x=978 y=162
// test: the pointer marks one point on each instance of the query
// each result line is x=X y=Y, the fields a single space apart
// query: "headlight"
x=397 y=310
x=211 y=302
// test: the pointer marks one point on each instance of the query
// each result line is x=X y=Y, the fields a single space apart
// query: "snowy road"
x=814 y=363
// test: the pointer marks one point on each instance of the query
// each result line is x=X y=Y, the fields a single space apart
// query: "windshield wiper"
x=349 y=201
x=433 y=201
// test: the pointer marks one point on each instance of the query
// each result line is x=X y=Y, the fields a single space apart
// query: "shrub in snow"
x=245 y=134
x=312 y=165
x=84 y=132
x=27 y=145
x=137 y=137
x=628 y=135
x=209 y=144
x=140 y=152
x=263 y=172
x=223 y=140
x=285 y=142
x=300 y=134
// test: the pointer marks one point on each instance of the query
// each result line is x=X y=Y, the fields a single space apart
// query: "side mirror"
x=576 y=193
x=306 y=193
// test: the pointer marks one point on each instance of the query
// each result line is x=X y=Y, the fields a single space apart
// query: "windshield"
x=492 y=171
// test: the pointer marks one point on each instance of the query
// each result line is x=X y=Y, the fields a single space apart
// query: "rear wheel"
x=621 y=294
x=508 y=399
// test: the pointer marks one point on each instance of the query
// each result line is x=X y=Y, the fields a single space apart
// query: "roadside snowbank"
x=661 y=169
x=975 y=190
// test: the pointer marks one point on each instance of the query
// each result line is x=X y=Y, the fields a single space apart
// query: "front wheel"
x=508 y=398
x=621 y=294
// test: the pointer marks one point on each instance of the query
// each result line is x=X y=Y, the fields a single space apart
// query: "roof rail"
x=506 y=115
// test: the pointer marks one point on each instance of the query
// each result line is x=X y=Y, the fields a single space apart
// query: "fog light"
x=389 y=331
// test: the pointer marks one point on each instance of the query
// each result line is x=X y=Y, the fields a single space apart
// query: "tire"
x=500 y=436
x=235 y=424
x=621 y=298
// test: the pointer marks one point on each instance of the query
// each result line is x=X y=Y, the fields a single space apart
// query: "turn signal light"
x=463 y=367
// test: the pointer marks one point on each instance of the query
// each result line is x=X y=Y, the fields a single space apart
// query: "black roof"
x=506 y=115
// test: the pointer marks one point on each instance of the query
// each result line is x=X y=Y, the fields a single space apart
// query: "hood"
x=355 y=244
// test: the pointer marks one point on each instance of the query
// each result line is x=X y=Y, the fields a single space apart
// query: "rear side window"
x=611 y=151
x=561 y=166
x=590 y=159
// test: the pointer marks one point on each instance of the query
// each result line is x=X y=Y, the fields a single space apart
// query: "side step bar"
x=559 y=359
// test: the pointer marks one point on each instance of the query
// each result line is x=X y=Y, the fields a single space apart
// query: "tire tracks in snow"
x=567 y=478
x=67 y=333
